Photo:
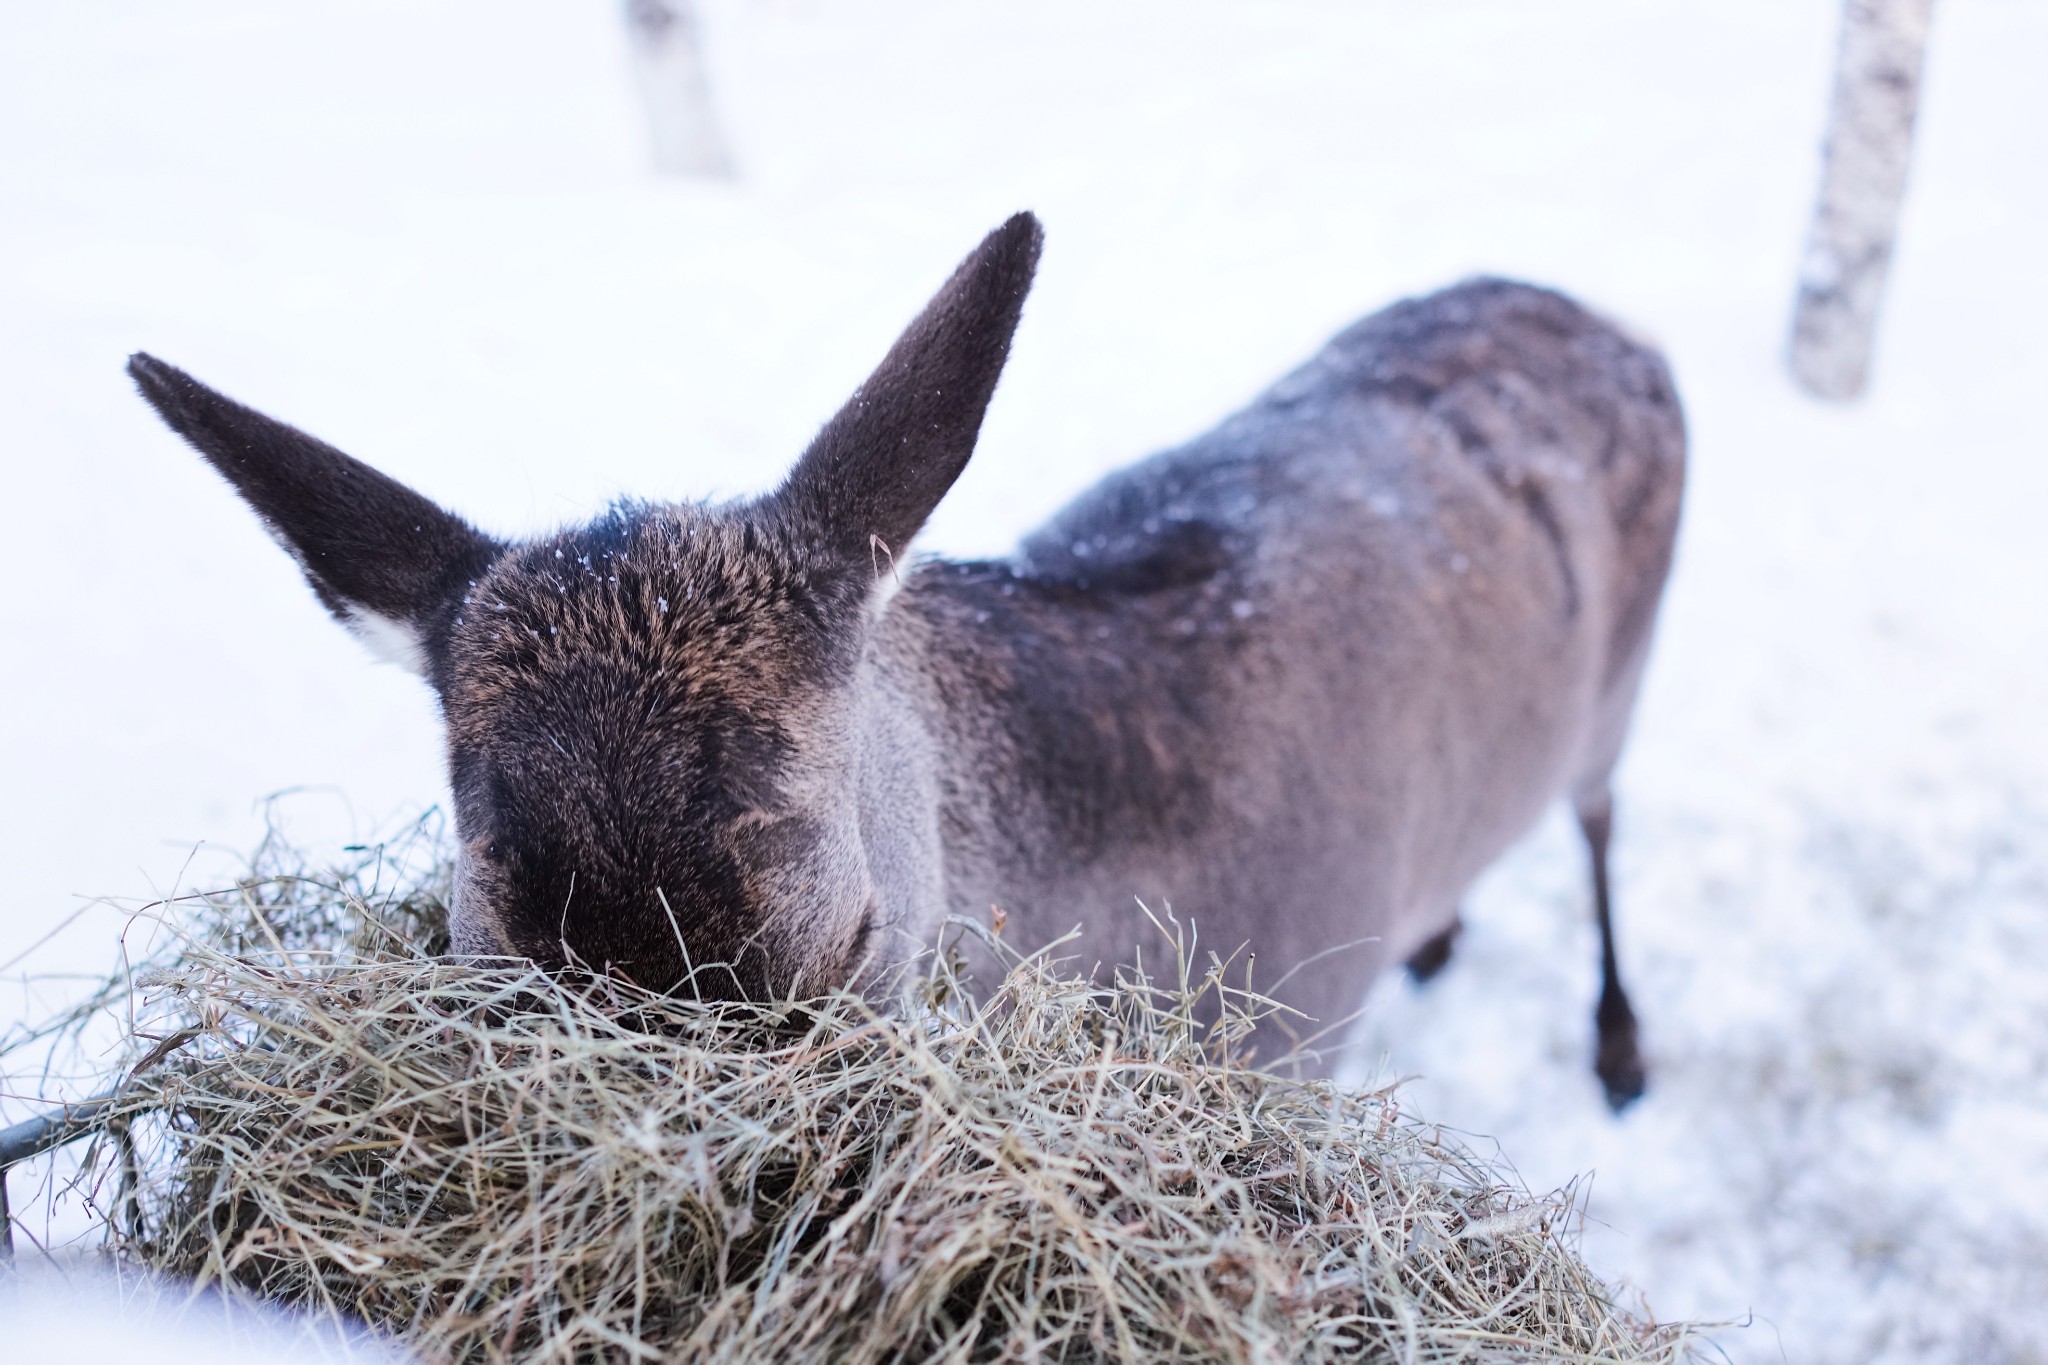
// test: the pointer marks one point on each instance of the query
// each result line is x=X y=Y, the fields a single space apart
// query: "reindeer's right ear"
x=876 y=471
x=386 y=561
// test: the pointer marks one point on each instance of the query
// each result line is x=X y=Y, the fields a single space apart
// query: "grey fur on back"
x=1304 y=677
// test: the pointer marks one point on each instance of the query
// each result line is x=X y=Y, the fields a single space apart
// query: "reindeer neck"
x=1069 y=723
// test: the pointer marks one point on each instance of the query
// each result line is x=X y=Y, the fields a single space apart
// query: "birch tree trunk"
x=669 y=66
x=1862 y=182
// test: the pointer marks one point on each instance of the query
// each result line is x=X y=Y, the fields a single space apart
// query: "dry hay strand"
x=489 y=1163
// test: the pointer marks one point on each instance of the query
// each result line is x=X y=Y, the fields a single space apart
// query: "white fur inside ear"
x=887 y=585
x=888 y=574
x=391 y=640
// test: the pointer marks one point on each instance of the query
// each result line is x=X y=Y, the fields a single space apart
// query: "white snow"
x=424 y=231
x=55 y=1312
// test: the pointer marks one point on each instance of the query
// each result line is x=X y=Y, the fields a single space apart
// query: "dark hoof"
x=1432 y=956
x=1620 y=1063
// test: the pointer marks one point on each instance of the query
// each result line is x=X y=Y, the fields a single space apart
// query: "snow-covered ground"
x=423 y=230
x=55 y=1313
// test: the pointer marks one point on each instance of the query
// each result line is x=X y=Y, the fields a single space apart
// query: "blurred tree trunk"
x=1862 y=182
x=669 y=65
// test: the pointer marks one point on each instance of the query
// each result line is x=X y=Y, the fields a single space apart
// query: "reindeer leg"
x=1434 y=954
x=1619 y=1063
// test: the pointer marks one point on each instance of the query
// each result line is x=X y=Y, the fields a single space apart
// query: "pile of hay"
x=492 y=1164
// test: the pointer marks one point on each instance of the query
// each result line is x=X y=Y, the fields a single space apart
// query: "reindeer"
x=1301 y=678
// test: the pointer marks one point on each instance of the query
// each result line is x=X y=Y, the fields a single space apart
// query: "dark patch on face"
x=620 y=709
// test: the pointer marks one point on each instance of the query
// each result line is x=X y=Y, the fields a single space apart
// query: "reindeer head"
x=654 y=723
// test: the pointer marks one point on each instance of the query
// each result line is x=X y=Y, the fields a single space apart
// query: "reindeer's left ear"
x=386 y=561
x=881 y=465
